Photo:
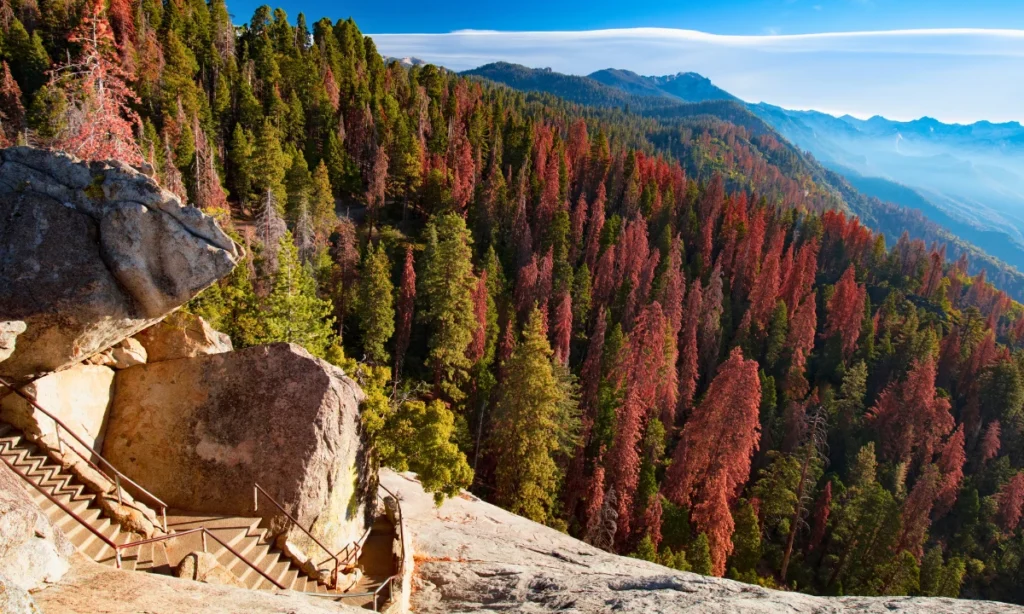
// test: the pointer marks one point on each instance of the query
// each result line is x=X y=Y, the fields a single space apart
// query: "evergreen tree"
x=376 y=304
x=292 y=311
x=269 y=164
x=699 y=556
x=533 y=426
x=447 y=294
x=321 y=202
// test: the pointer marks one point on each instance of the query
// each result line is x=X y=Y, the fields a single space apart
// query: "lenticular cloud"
x=952 y=74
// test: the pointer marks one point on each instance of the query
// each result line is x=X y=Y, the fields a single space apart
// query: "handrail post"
x=117 y=557
x=56 y=431
x=255 y=497
x=163 y=514
x=204 y=539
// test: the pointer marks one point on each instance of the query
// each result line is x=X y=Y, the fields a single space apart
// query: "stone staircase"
x=247 y=537
x=244 y=535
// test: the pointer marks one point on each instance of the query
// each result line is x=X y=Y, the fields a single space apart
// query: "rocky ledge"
x=92 y=253
x=474 y=557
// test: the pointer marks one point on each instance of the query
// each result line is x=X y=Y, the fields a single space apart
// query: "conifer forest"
x=653 y=332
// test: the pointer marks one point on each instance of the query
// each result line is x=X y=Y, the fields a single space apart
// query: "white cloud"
x=951 y=74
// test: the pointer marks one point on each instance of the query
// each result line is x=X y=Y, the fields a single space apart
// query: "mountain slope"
x=686 y=86
x=966 y=177
x=781 y=138
x=581 y=90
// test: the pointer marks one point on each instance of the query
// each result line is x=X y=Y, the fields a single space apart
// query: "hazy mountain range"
x=966 y=178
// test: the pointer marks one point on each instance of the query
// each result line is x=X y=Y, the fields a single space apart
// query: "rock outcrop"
x=91 y=254
x=79 y=396
x=9 y=332
x=204 y=567
x=474 y=557
x=127 y=353
x=91 y=587
x=182 y=335
x=199 y=432
x=33 y=552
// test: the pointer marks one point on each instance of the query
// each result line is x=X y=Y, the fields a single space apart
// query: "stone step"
x=243 y=534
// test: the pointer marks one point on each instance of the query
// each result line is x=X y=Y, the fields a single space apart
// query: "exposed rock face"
x=15 y=600
x=474 y=557
x=203 y=567
x=91 y=587
x=127 y=353
x=32 y=551
x=92 y=253
x=9 y=332
x=182 y=335
x=198 y=432
x=79 y=396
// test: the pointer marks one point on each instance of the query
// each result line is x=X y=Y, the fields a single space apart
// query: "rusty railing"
x=205 y=533
x=106 y=540
x=118 y=476
x=117 y=548
x=400 y=535
x=389 y=583
x=257 y=490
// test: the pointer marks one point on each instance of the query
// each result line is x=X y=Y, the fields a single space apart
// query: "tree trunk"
x=795 y=523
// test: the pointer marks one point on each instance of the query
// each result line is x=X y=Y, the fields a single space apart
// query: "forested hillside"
x=653 y=97
x=663 y=338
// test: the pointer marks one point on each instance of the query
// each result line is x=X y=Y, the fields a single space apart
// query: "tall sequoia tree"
x=712 y=459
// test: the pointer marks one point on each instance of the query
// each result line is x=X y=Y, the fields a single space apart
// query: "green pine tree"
x=376 y=304
x=321 y=201
x=699 y=556
x=645 y=550
x=447 y=295
x=292 y=311
x=269 y=164
x=746 y=538
x=240 y=156
x=531 y=427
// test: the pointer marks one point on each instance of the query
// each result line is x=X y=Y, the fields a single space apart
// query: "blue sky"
x=955 y=60
x=715 y=16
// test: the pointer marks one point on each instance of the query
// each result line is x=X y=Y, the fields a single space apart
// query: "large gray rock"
x=198 y=432
x=92 y=253
x=474 y=557
x=33 y=552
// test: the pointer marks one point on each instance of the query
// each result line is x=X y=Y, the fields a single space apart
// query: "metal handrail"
x=353 y=551
x=400 y=534
x=205 y=532
x=117 y=548
x=390 y=580
x=257 y=489
x=70 y=512
x=117 y=474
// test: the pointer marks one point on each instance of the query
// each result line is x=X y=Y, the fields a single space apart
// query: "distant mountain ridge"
x=685 y=86
x=965 y=176
x=850 y=156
